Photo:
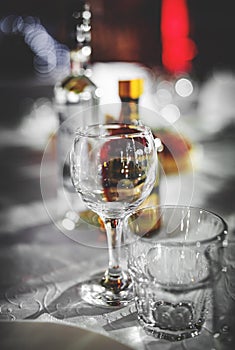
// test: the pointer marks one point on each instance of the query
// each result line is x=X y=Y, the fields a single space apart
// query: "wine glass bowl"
x=113 y=168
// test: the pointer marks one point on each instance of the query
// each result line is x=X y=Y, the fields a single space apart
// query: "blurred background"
x=169 y=38
x=123 y=30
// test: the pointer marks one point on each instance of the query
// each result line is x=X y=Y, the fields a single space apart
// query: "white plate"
x=28 y=335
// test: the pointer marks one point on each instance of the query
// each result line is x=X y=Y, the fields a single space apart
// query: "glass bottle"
x=129 y=92
x=76 y=100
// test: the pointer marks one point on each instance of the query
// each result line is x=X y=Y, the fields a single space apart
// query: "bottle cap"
x=131 y=88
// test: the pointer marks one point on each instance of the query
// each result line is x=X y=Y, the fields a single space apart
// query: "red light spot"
x=177 y=48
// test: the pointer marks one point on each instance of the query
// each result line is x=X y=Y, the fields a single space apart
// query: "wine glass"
x=113 y=168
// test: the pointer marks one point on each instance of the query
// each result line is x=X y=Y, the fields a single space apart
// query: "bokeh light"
x=50 y=57
x=171 y=113
x=184 y=87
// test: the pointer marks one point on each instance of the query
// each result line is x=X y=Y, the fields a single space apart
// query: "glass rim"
x=164 y=242
x=87 y=131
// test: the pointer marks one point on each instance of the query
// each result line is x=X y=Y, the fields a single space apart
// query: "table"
x=40 y=265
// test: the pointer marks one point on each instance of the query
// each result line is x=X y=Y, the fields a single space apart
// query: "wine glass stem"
x=113 y=278
x=114 y=233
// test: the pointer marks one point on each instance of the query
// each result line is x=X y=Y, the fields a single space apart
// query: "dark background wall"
x=213 y=30
x=126 y=30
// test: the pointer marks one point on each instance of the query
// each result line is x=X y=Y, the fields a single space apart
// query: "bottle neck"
x=78 y=63
x=129 y=110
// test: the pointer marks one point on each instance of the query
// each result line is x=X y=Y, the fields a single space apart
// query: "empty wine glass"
x=113 y=168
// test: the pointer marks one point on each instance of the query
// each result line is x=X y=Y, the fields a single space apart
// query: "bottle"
x=76 y=101
x=129 y=92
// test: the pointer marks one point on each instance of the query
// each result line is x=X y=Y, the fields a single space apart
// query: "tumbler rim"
x=165 y=242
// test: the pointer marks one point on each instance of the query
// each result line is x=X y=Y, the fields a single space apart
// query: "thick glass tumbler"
x=174 y=260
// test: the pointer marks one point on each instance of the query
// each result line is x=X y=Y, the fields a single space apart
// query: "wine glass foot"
x=93 y=292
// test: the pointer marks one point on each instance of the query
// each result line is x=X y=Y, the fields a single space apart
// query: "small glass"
x=174 y=260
